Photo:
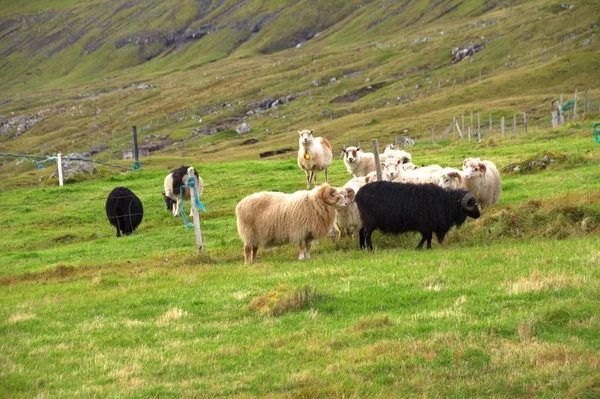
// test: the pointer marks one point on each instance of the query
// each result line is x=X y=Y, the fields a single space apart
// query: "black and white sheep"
x=124 y=210
x=172 y=186
x=403 y=207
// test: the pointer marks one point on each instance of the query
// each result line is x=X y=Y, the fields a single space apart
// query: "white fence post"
x=195 y=215
x=60 y=172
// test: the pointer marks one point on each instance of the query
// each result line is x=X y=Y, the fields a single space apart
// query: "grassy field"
x=507 y=306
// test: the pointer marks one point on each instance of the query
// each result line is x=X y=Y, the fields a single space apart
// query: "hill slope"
x=76 y=76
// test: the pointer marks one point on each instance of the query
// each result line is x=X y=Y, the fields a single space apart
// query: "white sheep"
x=314 y=155
x=390 y=152
x=172 y=186
x=483 y=180
x=392 y=171
x=358 y=163
x=268 y=219
x=452 y=179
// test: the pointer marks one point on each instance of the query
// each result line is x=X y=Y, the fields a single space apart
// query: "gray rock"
x=243 y=128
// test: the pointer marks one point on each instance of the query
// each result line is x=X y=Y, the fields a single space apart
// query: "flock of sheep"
x=428 y=199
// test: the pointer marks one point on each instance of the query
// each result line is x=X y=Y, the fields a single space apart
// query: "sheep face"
x=346 y=197
x=350 y=154
x=473 y=168
x=391 y=167
x=306 y=136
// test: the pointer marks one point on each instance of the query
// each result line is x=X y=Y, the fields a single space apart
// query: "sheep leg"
x=176 y=208
x=426 y=236
x=247 y=254
x=326 y=178
x=254 y=254
x=307 y=249
x=308 y=177
x=361 y=238
x=368 y=239
x=302 y=246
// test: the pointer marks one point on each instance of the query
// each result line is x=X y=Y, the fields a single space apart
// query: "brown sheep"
x=268 y=219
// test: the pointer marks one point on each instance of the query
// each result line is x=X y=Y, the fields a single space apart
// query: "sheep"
x=483 y=180
x=392 y=171
x=314 y=155
x=124 y=210
x=267 y=219
x=358 y=163
x=347 y=220
x=390 y=152
x=402 y=207
x=452 y=179
x=172 y=185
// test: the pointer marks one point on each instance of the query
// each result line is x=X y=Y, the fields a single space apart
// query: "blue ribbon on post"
x=191 y=184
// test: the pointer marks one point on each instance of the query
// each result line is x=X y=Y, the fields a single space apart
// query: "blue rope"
x=192 y=184
x=596 y=136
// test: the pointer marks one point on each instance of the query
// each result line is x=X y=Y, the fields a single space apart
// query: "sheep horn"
x=468 y=202
x=329 y=195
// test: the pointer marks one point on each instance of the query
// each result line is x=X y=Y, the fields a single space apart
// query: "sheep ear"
x=343 y=152
x=383 y=165
x=351 y=193
x=299 y=132
x=483 y=167
x=329 y=194
x=358 y=149
x=464 y=165
x=312 y=131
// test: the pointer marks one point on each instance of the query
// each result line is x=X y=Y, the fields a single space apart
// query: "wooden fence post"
x=478 y=126
x=514 y=124
x=502 y=126
x=194 y=199
x=135 y=146
x=463 y=122
x=60 y=171
x=525 y=121
x=377 y=161
x=586 y=105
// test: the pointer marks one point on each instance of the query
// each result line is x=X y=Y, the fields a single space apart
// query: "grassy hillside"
x=77 y=76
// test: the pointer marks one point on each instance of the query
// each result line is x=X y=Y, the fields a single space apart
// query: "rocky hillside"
x=193 y=75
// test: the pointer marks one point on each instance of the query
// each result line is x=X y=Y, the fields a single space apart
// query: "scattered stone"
x=74 y=164
x=243 y=128
x=144 y=86
x=535 y=163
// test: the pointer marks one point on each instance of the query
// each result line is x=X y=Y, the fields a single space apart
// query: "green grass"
x=506 y=307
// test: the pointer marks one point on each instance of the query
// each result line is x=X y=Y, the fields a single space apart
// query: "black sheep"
x=124 y=210
x=402 y=207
